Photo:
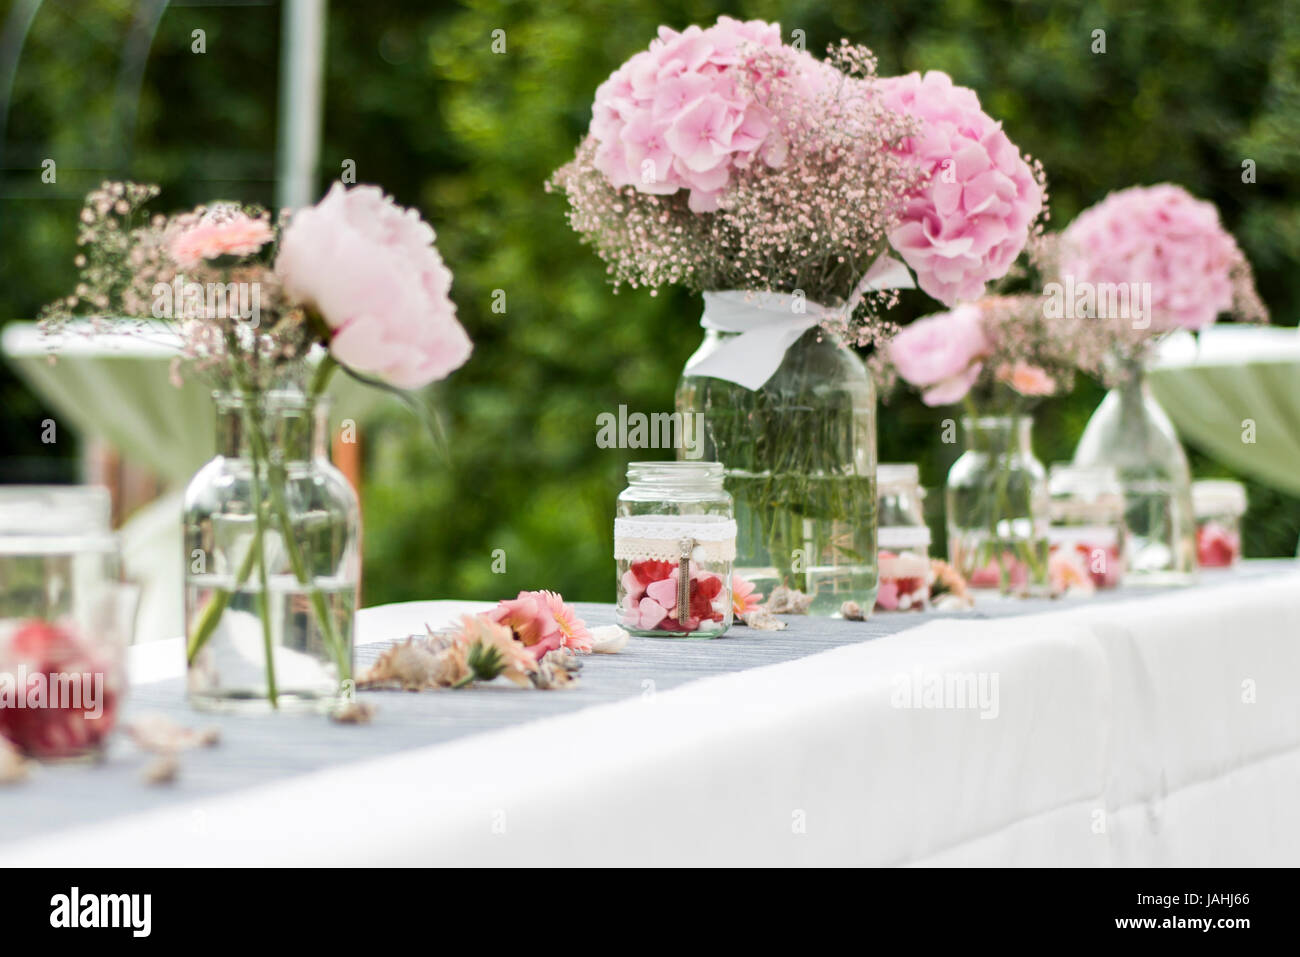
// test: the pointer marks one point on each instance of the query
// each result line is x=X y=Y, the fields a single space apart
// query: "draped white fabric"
x=1164 y=730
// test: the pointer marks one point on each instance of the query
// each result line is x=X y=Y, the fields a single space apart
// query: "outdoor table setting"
x=1115 y=732
x=777 y=654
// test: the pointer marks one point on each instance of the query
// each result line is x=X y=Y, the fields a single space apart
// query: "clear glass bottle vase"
x=272 y=560
x=800 y=459
x=998 y=507
x=1131 y=433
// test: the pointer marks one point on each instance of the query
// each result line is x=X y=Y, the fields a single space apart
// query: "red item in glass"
x=61 y=698
x=1216 y=546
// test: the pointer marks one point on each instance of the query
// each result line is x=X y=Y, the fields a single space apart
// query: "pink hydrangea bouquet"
x=354 y=282
x=782 y=186
x=722 y=159
x=1143 y=263
x=1146 y=261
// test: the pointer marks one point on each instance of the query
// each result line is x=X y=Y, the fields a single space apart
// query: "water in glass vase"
x=230 y=671
x=794 y=530
x=1154 y=509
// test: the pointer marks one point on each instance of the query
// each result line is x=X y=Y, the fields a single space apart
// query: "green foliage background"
x=1185 y=91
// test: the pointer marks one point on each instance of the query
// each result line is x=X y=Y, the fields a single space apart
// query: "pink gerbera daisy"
x=573 y=629
x=743 y=599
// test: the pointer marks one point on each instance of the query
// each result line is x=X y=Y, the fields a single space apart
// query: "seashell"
x=13 y=766
x=409 y=665
x=164 y=769
x=951 y=601
x=608 y=639
x=161 y=735
x=557 y=669
x=760 y=619
x=788 y=601
x=852 y=611
x=353 y=712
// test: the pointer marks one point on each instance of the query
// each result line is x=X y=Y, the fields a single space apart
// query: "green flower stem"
x=220 y=600
x=258 y=550
x=278 y=481
x=215 y=608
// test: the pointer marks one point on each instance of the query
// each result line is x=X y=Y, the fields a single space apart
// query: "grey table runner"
x=256 y=750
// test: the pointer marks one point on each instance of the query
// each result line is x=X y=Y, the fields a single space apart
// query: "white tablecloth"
x=1163 y=730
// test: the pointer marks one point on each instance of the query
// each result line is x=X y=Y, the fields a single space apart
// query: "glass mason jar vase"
x=800 y=459
x=674 y=543
x=903 y=538
x=1087 y=532
x=997 y=505
x=1219 y=505
x=1131 y=433
x=65 y=620
x=272 y=560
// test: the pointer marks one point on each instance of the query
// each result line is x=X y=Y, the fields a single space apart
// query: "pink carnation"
x=236 y=235
x=1026 y=378
x=942 y=355
x=1160 y=235
x=677 y=116
x=369 y=267
x=971 y=220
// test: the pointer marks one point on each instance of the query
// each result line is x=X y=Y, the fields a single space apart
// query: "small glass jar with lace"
x=674 y=544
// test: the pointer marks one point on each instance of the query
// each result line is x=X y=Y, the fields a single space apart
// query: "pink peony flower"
x=941 y=354
x=970 y=221
x=743 y=597
x=676 y=117
x=1160 y=235
x=1027 y=379
x=237 y=234
x=369 y=267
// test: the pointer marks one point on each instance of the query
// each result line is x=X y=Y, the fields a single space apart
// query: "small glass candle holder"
x=1087 y=531
x=903 y=539
x=674 y=544
x=1218 y=505
x=65 y=620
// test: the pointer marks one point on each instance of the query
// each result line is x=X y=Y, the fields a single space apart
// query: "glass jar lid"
x=40 y=518
x=1214 y=497
x=681 y=474
x=897 y=475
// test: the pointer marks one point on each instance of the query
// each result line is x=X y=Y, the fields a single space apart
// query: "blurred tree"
x=419 y=100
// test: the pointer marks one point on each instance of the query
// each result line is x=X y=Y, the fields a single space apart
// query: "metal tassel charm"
x=687 y=546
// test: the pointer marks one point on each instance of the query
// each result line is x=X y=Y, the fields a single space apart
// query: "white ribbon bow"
x=769 y=323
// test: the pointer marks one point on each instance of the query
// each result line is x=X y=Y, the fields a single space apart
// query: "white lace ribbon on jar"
x=769 y=323
x=659 y=538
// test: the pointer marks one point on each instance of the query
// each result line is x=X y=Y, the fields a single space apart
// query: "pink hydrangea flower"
x=237 y=234
x=942 y=355
x=970 y=222
x=675 y=116
x=369 y=267
x=1160 y=235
